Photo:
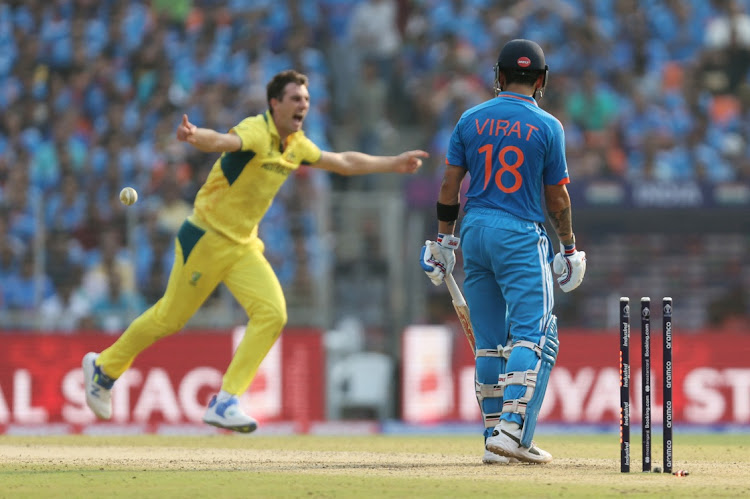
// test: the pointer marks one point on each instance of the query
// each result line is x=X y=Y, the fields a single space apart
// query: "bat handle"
x=455 y=292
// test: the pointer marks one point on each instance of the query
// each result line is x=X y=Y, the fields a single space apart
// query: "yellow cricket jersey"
x=242 y=184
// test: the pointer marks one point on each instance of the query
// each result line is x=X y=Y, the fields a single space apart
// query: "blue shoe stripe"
x=222 y=407
x=102 y=379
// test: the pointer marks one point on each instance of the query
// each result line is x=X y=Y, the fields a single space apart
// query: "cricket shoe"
x=227 y=414
x=98 y=387
x=492 y=458
x=504 y=442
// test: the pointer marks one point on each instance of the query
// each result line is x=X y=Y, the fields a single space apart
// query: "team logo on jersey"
x=194 y=278
x=524 y=62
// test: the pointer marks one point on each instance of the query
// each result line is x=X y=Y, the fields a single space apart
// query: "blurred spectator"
x=679 y=25
x=374 y=34
x=66 y=208
x=725 y=62
x=8 y=260
x=174 y=12
x=25 y=289
x=23 y=203
x=110 y=257
x=69 y=309
x=114 y=309
x=152 y=288
x=157 y=273
x=371 y=94
x=592 y=106
x=62 y=255
x=174 y=209
x=731 y=27
x=87 y=234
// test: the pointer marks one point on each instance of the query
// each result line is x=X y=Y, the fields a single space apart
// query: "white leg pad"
x=488 y=390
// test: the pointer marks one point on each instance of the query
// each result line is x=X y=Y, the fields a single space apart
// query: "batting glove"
x=438 y=258
x=570 y=265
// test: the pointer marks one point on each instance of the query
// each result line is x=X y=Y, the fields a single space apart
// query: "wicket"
x=645 y=383
x=667 y=382
x=624 y=385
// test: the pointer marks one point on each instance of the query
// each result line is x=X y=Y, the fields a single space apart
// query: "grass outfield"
x=362 y=466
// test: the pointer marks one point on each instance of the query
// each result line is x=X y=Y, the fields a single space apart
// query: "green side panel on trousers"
x=188 y=236
x=232 y=164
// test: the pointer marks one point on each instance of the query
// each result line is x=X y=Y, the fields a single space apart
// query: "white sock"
x=222 y=396
x=509 y=426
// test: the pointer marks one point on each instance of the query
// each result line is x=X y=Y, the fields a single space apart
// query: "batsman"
x=514 y=153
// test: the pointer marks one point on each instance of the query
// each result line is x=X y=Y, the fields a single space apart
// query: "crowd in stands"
x=92 y=90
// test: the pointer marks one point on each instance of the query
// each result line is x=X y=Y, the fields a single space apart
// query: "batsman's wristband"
x=447 y=212
x=569 y=249
x=448 y=241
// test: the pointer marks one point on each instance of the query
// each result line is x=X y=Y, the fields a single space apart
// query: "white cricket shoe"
x=504 y=442
x=491 y=458
x=228 y=415
x=98 y=387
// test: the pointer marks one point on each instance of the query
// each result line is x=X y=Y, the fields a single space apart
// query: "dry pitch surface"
x=373 y=466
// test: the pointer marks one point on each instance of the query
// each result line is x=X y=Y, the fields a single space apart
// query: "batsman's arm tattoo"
x=563 y=224
x=451 y=224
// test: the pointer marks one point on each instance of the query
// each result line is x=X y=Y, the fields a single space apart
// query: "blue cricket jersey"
x=511 y=148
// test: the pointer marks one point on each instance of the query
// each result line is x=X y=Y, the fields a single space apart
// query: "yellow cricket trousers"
x=203 y=259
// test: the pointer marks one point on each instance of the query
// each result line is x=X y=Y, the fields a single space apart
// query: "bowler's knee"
x=165 y=319
x=272 y=317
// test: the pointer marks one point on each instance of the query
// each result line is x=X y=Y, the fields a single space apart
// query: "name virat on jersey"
x=497 y=126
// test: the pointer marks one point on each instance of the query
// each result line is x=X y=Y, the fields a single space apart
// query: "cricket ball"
x=128 y=196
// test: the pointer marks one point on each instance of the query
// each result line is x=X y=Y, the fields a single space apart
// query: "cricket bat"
x=462 y=309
